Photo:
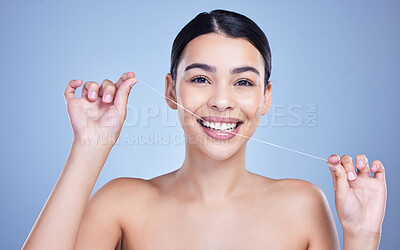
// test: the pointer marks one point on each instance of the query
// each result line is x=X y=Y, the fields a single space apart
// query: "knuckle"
x=362 y=157
x=109 y=88
x=94 y=85
x=91 y=85
x=341 y=176
x=378 y=163
x=66 y=89
x=106 y=82
x=121 y=78
x=86 y=85
x=68 y=86
x=346 y=159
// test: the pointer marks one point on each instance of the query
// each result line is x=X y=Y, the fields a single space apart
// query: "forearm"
x=57 y=226
x=360 y=240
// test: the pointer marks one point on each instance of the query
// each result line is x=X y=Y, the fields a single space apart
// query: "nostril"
x=221 y=107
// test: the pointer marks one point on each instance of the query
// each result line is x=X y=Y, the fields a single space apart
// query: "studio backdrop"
x=335 y=91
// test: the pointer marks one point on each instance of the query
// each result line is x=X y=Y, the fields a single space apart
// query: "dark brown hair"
x=228 y=23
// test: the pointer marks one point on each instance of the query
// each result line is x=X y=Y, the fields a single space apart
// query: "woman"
x=220 y=66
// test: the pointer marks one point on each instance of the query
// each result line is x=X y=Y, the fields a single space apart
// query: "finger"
x=69 y=92
x=378 y=170
x=362 y=165
x=338 y=174
x=120 y=80
x=124 y=76
x=91 y=90
x=107 y=91
x=348 y=165
x=333 y=178
x=121 y=96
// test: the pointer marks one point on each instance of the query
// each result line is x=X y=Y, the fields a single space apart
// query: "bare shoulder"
x=296 y=194
x=125 y=189
x=120 y=195
x=107 y=210
x=122 y=184
x=300 y=189
x=119 y=192
x=306 y=205
x=290 y=188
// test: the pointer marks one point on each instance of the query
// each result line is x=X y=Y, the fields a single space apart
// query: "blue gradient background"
x=340 y=56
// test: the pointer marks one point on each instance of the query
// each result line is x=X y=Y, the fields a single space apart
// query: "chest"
x=172 y=226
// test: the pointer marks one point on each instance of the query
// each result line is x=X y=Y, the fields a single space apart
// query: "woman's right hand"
x=97 y=117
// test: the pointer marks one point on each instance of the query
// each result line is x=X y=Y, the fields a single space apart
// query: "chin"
x=216 y=149
x=220 y=155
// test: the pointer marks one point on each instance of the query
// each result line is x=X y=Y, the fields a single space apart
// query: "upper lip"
x=220 y=119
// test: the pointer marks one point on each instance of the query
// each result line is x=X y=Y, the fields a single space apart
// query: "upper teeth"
x=219 y=125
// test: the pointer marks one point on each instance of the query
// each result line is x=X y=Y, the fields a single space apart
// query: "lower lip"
x=218 y=134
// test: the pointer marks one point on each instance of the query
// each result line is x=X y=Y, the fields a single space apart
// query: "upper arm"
x=319 y=221
x=100 y=226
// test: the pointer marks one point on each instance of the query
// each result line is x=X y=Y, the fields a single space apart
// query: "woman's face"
x=221 y=80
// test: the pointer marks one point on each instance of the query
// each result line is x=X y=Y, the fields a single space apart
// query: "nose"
x=221 y=99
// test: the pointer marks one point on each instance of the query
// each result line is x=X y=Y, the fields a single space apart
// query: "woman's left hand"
x=360 y=199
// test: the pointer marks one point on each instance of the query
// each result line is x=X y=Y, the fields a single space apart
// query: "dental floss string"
x=250 y=138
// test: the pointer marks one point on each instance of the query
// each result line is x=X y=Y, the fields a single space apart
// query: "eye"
x=244 y=82
x=199 y=79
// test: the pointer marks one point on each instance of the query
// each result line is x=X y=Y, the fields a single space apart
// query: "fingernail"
x=332 y=168
x=107 y=98
x=360 y=163
x=93 y=94
x=374 y=167
x=351 y=175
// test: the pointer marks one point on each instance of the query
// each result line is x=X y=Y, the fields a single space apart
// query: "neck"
x=209 y=179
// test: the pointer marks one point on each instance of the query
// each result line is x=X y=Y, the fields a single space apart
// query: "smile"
x=224 y=127
x=221 y=128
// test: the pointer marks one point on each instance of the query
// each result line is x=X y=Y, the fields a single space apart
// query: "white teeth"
x=222 y=126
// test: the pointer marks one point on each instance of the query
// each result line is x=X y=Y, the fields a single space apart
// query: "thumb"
x=339 y=175
x=121 y=97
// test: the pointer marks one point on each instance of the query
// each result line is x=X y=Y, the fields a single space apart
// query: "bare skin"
x=211 y=201
x=162 y=216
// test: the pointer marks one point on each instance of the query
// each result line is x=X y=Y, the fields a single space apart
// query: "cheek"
x=252 y=105
x=190 y=99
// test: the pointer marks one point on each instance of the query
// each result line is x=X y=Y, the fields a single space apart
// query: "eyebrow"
x=212 y=69
x=244 y=69
x=202 y=66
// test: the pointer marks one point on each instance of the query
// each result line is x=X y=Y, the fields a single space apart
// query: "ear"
x=267 y=99
x=170 y=91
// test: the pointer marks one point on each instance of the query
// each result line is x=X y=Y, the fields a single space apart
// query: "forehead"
x=221 y=51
